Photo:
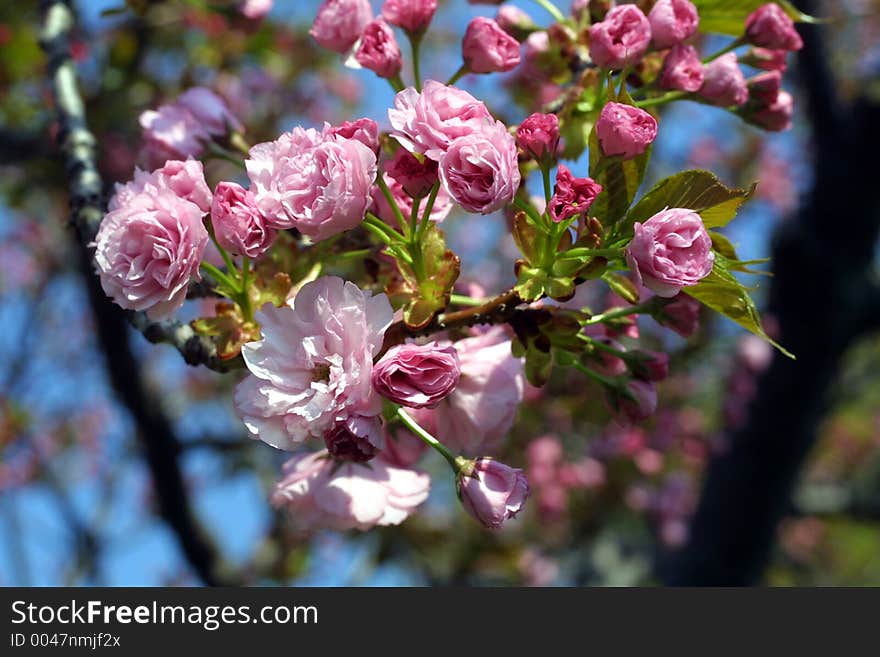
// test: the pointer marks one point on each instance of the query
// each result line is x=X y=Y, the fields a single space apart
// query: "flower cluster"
x=359 y=379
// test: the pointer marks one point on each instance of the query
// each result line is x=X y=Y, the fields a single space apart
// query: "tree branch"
x=161 y=446
x=79 y=150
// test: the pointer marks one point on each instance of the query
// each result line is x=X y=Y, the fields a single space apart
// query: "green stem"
x=548 y=190
x=396 y=83
x=665 y=98
x=601 y=346
x=380 y=180
x=426 y=216
x=216 y=151
x=427 y=438
x=415 y=245
x=604 y=380
x=221 y=278
x=621 y=312
x=385 y=232
x=582 y=252
x=247 y=308
x=415 y=41
x=464 y=300
x=552 y=9
x=733 y=45
x=457 y=75
x=528 y=209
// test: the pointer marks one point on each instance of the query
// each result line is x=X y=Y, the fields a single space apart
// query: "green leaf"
x=622 y=286
x=423 y=299
x=620 y=180
x=725 y=247
x=729 y=16
x=697 y=190
x=527 y=237
x=723 y=293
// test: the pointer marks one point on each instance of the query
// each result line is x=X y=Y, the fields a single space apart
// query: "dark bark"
x=824 y=300
x=155 y=432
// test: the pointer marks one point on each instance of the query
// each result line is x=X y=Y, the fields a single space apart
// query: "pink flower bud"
x=493 y=492
x=636 y=404
x=340 y=23
x=414 y=16
x=416 y=177
x=724 y=83
x=621 y=39
x=766 y=59
x=357 y=439
x=378 y=50
x=210 y=110
x=172 y=133
x=652 y=366
x=672 y=21
x=480 y=171
x=417 y=376
x=682 y=69
x=239 y=226
x=514 y=21
x=764 y=88
x=776 y=116
x=365 y=131
x=538 y=136
x=670 y=250
x=486 y=48
x=682 y=315
x=606 y=363
x=624 y=130
x=572 y=196
x=770 y=27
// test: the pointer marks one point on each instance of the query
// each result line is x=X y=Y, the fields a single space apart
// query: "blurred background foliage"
x=77 y=502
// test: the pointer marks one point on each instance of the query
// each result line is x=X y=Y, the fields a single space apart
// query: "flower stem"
x=733 y=45
x=427 y=438
x=247 y=308
x=552 y=9
x=426 y=216
x=665 y=98
x=382 y=230
x=380 y=180
x=415 y=41
x=604 y=380
x=457 y=75
x=621 y=312
x=464 y=300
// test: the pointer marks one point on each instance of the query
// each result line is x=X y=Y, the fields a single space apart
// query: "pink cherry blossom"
x=480 y=411
x=486 y=48
x=363 y=130
x=148 y=249
x=770 y=27
x=239 y=226
x=428 y=122
x=480 y=170
x=670 y=250
x=320 y=492
x=318 y=184
x=621 y=39
x=682 y=315
x=209 y=109
x=724 y=84
x=414 y=16
x=417 y=376
x=624 y=130
x=417 y=177
x=357 y=439
x=672 y=21
x=185 y=178
x=538 y=135
x=339 y=23
x=776 y=115
x=493 y=492
x=378 y=51
x=572 y=196
x=171 y=132
x=682 y=69
x=312 y=367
